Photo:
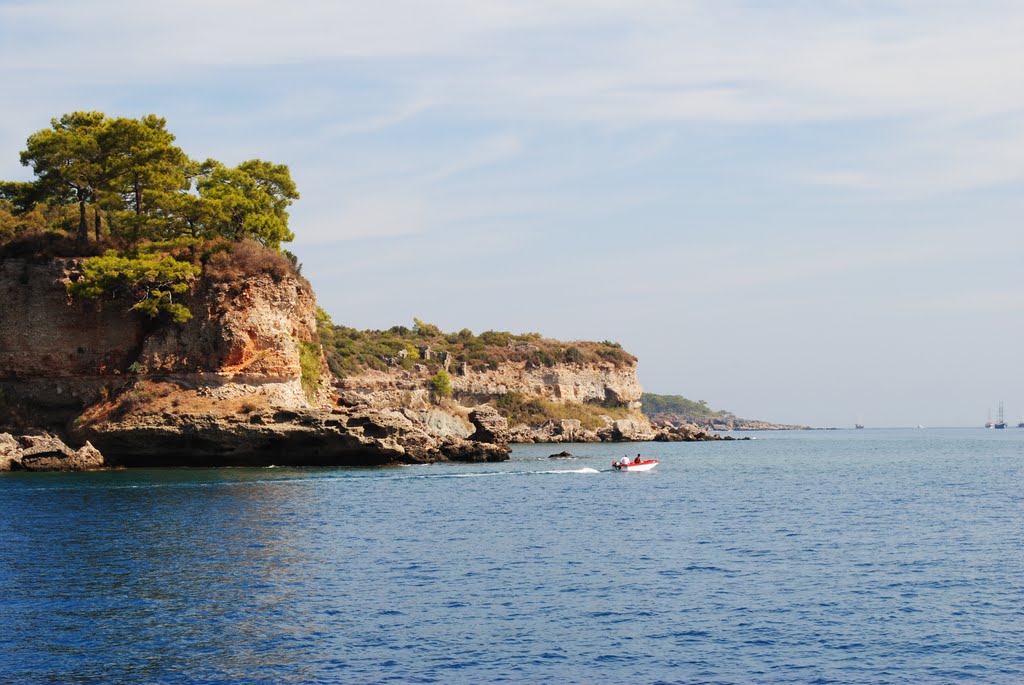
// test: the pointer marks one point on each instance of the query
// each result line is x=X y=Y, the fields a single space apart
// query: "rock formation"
x=244 y=383
x=46 y=453
x=225 y=388
x=596 y=384
x=605 y=382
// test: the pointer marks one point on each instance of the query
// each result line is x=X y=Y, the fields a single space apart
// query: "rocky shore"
x=46 y=453
x=245 y=382
x=621 y=430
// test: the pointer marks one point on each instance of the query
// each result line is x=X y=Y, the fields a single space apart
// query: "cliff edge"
x=242 y=382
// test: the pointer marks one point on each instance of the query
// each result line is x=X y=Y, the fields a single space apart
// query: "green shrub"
x=424 y=329
x=681 y=406
x=350 y=351
x=309 y=361
x=441 y=383
x=151 y=279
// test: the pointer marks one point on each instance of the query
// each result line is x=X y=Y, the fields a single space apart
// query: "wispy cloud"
x=643 y=60
x=484 y=153
x=595 y=62
x=370 y=216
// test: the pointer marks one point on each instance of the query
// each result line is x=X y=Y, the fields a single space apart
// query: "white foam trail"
x=585 y=469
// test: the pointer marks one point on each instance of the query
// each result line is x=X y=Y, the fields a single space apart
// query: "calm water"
x=812 y=557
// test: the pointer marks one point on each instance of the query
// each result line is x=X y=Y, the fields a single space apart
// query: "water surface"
x=850 y=556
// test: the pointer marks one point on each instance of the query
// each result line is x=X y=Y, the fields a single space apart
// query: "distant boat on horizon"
x=858 y=425
x=989 y=424
x=1000 y=420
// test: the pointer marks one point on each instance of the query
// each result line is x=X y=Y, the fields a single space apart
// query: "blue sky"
x=800 y=211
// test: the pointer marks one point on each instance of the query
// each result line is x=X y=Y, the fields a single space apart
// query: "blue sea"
x=869 y=556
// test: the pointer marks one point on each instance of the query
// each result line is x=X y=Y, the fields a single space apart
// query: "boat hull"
x=646 y=465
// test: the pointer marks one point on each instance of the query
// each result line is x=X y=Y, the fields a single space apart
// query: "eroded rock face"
x=60 y=352
x=46 y=453
x=275 y=436
x=10 y=452
x=630 y=430
x=604 y=382
x=683 y=432
x=223 y=388
x=490 y=426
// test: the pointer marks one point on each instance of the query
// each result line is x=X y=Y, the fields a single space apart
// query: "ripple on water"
x=795 y=558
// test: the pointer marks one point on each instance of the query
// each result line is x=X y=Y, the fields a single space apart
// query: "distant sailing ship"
x=858 y=425
x=988 y=424
x=1000 y=421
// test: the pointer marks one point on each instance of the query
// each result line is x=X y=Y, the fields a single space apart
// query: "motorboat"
x=643 y=465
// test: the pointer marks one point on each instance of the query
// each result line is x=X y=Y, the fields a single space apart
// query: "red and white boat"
x=644 y=465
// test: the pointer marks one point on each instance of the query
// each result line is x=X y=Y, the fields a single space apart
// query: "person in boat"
x=637 y=460
x=624 y=461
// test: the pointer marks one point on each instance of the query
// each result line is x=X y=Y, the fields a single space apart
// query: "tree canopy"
x=168 y=216
x=140 y=186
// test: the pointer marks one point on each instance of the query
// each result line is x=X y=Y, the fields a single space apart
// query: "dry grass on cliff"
x=228 y=262
x=148 y=397
x=534 y=411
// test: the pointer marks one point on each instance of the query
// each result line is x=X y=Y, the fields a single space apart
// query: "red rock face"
x=61 y=352
x=44 y=334
x=221 y=389
x=251 y=329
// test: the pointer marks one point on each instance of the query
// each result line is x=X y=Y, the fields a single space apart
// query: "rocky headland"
x=245 y=382
x=676 y=410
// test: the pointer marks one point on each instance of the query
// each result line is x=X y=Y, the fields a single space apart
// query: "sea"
x=849 y=556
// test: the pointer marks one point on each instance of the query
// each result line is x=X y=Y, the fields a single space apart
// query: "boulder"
x=631 y=430
x=10 y=452
x=46 y=453
x=491 y=427
x=457 y=449
x=570 y=430
x=684 y=432
x=442 y=424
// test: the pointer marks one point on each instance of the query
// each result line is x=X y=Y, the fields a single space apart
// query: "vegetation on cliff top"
x=125 y=179
x=349 y=350
x=679 y=406
x=157 y=218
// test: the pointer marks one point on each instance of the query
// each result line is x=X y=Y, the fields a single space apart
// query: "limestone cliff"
x=602 y=382
x=605 y=394
x=226 y=387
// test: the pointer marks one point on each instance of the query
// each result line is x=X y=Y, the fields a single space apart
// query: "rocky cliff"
x=605 y=394
x=241 y=383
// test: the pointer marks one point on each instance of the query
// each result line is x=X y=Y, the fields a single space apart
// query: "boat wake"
x=509 y=473
x=585 y=469
x=312 y=479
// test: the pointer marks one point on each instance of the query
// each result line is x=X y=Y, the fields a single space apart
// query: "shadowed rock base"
x=283 y=438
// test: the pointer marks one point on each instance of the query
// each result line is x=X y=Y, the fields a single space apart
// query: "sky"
x=805 y=212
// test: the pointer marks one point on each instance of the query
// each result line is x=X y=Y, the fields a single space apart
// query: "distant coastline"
x=676 y=409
